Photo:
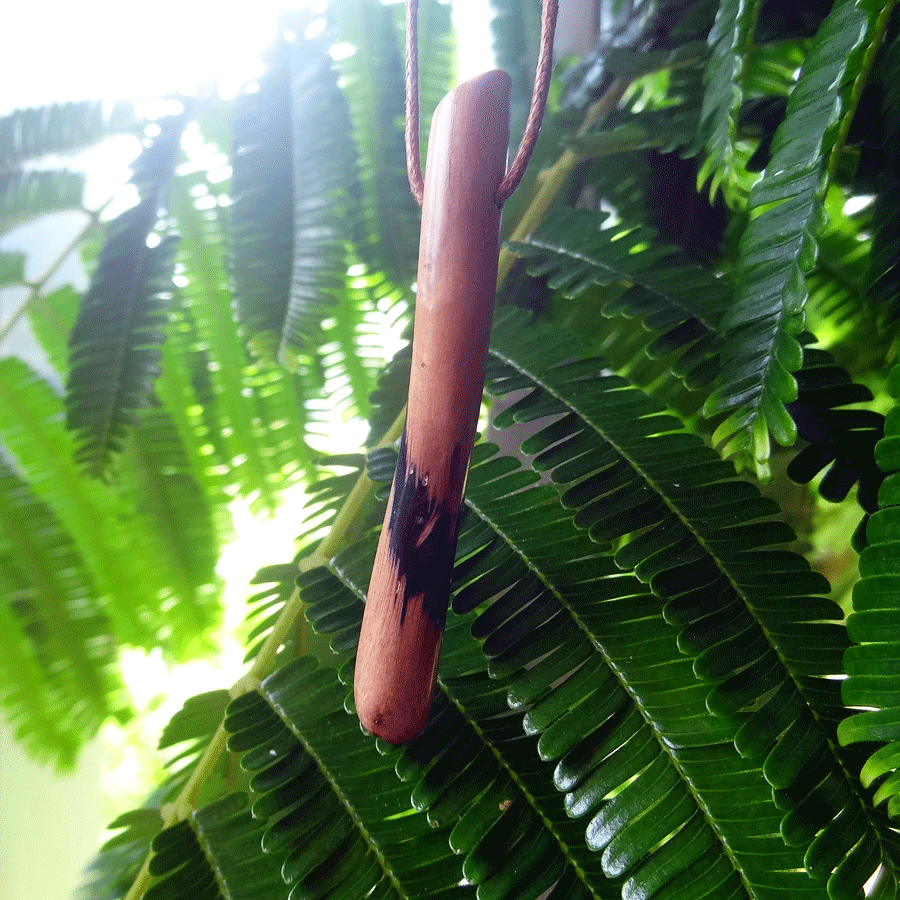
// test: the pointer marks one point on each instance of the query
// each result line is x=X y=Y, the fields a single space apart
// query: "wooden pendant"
x=406 y=607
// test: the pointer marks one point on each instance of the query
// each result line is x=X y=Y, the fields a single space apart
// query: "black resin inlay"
x=422 y=533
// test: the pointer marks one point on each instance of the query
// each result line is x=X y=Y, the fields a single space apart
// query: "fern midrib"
x=617 y=277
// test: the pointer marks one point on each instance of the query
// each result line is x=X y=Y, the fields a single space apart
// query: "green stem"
x=550 y=181
x=37 y=287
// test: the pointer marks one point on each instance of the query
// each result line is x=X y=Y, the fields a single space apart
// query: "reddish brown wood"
x=403 y=625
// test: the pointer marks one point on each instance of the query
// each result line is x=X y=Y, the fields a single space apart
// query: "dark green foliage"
x=115 y=342
x=728 y=41
x=884 y=287
x=288 y=255
x=761 y=351
x=650 y=281
x=842 y=440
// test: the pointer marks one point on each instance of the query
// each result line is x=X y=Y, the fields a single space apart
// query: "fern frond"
x=115 y=342
x=104 y=526
x=28 y=134
x=671 y=503
x=672 y=295
x=246 y=410
x=26 y=195
x=729 y=42
x=290 y=181
x=660 y=129
x=385 y=216
x=184 y=526
x=215 y=853
x=323 y=827
x=584 y=653
x=59 y=654
x=761 y=350
x=872 y=664
x=485 y=782
x=119 y=859
x=770 y=70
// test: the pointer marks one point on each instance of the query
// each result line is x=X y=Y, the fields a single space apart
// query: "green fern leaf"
x=871 y=682
x=570 y=645
x=59 y=654
x=729 y=43
x=183 y=527
x=323 y=825
x=215 y=853
x=103 y=525
x=28 y=134
x=761 y=350
x=115 y=342
x=672 y=295
x=667 y=496
x=385 y=216
x=841 y=440
x=290 y=178
x=26 y=195
x=659 y=129
x=248 y=411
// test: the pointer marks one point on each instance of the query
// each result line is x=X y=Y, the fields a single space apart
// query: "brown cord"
x=535 y=113
x=413 y=164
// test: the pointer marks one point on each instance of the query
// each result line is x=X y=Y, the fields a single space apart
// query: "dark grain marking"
x=422 y=533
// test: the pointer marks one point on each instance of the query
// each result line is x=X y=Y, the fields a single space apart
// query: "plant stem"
x=551 y=180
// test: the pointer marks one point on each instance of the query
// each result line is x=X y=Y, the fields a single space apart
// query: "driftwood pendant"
x=406 y=607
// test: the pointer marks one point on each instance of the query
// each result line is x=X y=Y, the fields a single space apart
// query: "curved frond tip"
x=761 y=350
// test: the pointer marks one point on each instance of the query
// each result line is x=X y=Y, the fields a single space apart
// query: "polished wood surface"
x=406 y=607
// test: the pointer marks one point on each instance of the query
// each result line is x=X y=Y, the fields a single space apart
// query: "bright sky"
x=121 y=48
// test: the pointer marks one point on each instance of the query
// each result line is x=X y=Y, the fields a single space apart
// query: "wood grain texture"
x=406 y=607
